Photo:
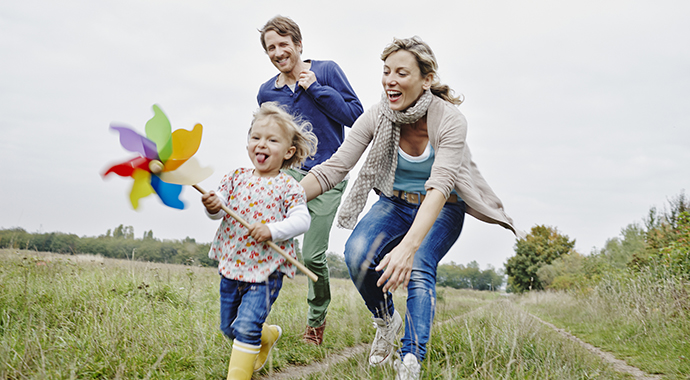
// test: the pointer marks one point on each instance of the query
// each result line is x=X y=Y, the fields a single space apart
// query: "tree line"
x=457 y=276
x=120 y=243
x=546 y=258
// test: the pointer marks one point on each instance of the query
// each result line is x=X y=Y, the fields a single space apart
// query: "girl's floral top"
x=255 y=199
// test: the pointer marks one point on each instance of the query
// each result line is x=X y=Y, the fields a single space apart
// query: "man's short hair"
x=284 y=26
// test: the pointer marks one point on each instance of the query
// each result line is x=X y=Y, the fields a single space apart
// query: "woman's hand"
x=260 y=232
x=212 y=203
x=398 y=264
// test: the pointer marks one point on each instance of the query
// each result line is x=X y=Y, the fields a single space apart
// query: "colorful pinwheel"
x=165 y=161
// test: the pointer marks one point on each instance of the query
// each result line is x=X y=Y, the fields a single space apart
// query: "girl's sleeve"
x=294 y=206
x=295 y=223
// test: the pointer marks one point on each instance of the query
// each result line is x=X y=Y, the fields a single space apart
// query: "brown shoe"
x=314 y=335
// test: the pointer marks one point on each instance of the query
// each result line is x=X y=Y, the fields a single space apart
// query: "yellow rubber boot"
x=269 y=336
x=242 y=360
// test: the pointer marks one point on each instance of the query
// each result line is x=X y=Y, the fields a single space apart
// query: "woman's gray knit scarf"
x=378 y=170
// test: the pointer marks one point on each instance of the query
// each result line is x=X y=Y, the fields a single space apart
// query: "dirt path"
x=618 y=365
x=298 y=372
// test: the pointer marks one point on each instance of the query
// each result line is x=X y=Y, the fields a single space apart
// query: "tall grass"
x=61 y=318
x=496 y=341
x=642 y=317
x=74 y=317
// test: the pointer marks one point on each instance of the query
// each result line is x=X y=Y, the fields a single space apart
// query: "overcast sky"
x=578 y=112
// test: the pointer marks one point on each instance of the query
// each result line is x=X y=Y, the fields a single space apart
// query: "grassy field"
x=644 y=320
x=79 y=317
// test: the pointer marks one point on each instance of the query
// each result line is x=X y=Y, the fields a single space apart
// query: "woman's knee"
x=422 y=281
x=363 y=249
x=355 y=253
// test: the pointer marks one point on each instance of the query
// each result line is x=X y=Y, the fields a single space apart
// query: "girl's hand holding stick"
x=270 y=243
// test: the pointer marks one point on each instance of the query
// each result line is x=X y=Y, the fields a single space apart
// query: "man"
x=318 y=92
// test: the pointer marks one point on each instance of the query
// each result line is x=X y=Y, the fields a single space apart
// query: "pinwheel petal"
x=141 y=187
x=134 y=142
x=168 y=193
x=158 y=130
x=190 y=173
x=185 y=143
x=127 y=168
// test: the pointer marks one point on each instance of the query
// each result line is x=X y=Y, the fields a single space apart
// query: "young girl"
x=274 y=205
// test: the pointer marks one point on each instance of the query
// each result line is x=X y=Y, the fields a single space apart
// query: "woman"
x=421 y=167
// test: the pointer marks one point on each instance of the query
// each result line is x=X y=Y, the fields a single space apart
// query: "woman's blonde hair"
x=303 y=139
x=426 y=62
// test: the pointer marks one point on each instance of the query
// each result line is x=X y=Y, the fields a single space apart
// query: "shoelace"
x=381 y=337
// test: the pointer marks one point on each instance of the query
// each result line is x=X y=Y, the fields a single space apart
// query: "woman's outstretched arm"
x=311 y=186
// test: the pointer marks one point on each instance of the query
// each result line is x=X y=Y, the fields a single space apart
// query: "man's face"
x=284 y=54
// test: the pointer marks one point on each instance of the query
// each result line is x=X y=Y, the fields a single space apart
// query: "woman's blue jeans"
x=379 y=231
x=244 y=307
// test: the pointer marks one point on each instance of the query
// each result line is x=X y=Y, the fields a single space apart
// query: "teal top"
x=412 y=172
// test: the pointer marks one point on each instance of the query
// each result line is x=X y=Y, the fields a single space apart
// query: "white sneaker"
x=408 y=368
x=386 y=336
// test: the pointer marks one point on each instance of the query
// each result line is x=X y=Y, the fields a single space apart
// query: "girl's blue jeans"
x=244 y=307
x=379 y=231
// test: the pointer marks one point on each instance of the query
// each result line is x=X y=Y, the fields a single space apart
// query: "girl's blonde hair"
x=426 y=60
x=303 y=139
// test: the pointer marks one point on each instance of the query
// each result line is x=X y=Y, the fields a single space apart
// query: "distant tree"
x=123 y=232
x=458 y=276
x=95 y=246
x=663 y=228
x=42 y=242
x=202 y=255
x=676 y=255
x=64 y=243
x=15 y=238
x=118 y=232
x=490 y=279
x=128 y=232
x=565 y=272
x=336 y=265
x=472 y=273
x=619 y=251
x=540 y=247
x=452 y=275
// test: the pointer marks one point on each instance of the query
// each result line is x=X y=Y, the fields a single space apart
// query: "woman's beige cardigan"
x=453 y=167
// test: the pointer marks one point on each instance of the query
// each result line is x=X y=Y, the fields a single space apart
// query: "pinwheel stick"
x=273 y=245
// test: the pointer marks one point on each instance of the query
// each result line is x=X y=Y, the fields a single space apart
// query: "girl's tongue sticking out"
x=260 y=158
